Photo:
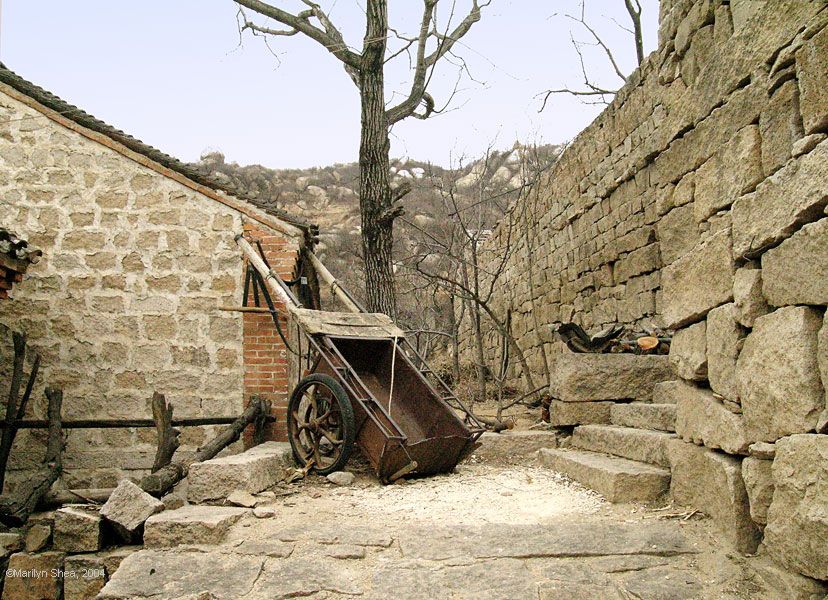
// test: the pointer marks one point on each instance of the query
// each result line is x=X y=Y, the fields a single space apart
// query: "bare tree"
x=593 y=92
x=379 y=203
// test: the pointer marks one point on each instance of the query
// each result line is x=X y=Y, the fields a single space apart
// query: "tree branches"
x=592 y=92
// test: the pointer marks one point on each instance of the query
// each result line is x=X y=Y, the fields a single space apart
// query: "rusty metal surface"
x=395 y=428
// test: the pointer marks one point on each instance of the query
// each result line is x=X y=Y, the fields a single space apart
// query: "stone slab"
x=84 y=578
x=667 y=392
x=688 y=352
x=128 y=507
x=77 y=530
x=711 y=482
x=601 y=377
x=725 y=338
x=747 y=295
x=779 y=384
x=797 y=532
x=759 y=484
x=190 y=525
x=31 y=576
x=813 y=81
x=251 y=471
x=563 y=414
x=700 y=280
x=641 y=445
x=793 y=196
x=704 y=420
x=513 y=446
x=617 y=479
x=640 y=415
x=796 y=271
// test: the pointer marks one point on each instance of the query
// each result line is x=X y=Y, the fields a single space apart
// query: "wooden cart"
x=368 y=386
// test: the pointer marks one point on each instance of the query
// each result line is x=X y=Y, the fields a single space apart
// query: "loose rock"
x=128 y=508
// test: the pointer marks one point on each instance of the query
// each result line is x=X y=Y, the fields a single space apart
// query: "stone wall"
x=697 y=202
x=126 y=298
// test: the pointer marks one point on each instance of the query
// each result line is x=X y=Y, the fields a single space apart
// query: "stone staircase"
x=625 y=460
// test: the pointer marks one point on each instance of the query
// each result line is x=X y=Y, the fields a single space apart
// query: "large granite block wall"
x=697 y=202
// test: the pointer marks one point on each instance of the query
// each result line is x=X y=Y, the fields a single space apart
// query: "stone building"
x=698 y=202
x=138 y=259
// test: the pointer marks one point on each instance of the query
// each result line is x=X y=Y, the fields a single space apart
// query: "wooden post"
x=163 y=480
x=271 y=279
x=16 y=508
x=162 y=414
x=15 y=405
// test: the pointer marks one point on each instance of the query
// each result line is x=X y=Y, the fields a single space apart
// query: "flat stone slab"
x=617 y=479
x=566 y=414
x=251 y=471
x=595 y=377
x=190 y=525
x=513 y=446
x=171 y=574
x=660 y=417
x=641 y=445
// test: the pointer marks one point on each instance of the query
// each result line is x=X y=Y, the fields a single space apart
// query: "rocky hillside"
x=329 y=197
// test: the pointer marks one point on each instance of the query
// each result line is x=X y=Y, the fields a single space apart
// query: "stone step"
x=513 y=447
x=643 y=445
x=190 y=525
x=617 y=479
x=661 y=417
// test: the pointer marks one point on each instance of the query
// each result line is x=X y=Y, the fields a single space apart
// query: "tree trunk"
x=374 y=168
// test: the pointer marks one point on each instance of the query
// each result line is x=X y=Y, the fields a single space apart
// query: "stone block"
x=734 y=170
x=190 y=525
x=747 y=296
x=251 y=471
x=85 y=576
x=793 y=196
x=128 y=507
x=724 y=343
x=642 y=445
x=702 y=419
x=712 y=482
x=678 y=233
x=797 y=532
x=743 y=11
x=796 y=271
x=514 y=447
x=697 y=282
x=759 y=485
x=9 y=543
x=667 y=392
x=31 y=577
x=780 y=126
x=38 y=537
x=783 y=583
x=641 y=415
x=563 y=414
x=617 y=479
x=77 y=529
x=822 y=356
x=597 y=377
x=813 y=81
x=688 y=352
x=778 y=378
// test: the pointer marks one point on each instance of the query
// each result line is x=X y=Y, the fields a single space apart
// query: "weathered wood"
x=168 y=442
x=163 y=480
x=15 y=405
x=16 y=508
x=121 y=423
x=55 y=498
x=273 y=282
x=261 y=422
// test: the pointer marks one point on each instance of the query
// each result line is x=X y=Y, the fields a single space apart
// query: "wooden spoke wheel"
x=321 y=424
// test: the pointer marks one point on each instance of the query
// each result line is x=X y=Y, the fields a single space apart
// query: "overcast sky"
x=172 y=73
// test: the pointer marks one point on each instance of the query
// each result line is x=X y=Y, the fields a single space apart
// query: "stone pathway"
x=488 y=532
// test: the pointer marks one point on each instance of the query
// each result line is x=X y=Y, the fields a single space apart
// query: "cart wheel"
x=321 y=424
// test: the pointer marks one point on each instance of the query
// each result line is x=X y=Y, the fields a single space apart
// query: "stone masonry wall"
x=697 y=202
x=126 y=298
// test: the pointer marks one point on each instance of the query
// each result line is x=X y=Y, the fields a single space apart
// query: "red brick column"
x=266 y=359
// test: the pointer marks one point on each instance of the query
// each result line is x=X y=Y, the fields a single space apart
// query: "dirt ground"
x=485 y=532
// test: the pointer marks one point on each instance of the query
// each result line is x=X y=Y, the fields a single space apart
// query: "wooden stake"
x=162 y=413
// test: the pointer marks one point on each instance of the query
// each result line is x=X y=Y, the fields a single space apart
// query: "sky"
x=177 y=75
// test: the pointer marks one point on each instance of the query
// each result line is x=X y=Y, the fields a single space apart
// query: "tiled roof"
x=86 y=120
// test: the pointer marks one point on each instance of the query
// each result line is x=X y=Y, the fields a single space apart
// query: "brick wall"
x=266 y=360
